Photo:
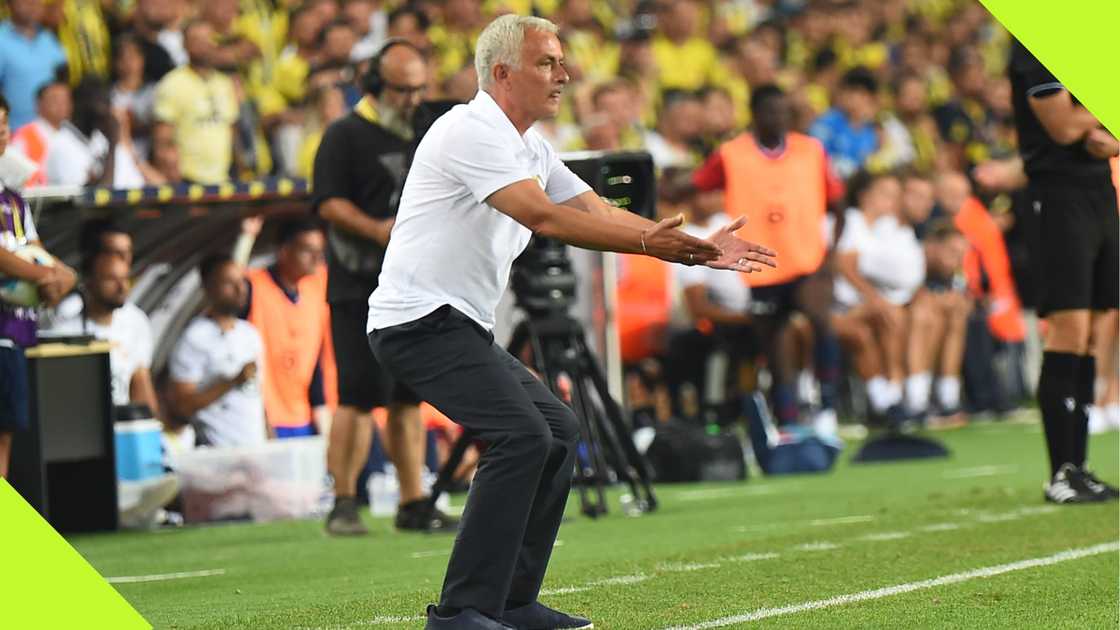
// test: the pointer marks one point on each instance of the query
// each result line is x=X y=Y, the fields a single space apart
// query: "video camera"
x=543 y=281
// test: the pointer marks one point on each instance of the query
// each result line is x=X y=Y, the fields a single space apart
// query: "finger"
x=736 y=225
x=760 y=258
x=766 y=251
x=670 y=223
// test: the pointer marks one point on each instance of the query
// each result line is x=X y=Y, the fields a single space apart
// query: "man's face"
x=719 y=114
x=859 y=105
x=110 y=284
x=681 y=19
x=772 y=117
x=55 y=105
x=618 y=106
x=538 y=84
x=405 y=78
x=338 y=42
x=119 y=245
x=685 y=120
x=917 y=200
x=199 y=42
x=911 y=99
x=226 y=291
x=303 y=254
x=220 y=13
x=157 y=13
x=27 y=11
x=357 y=14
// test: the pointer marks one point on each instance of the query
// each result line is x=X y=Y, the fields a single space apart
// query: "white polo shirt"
x=890 y=257
x=448 y=246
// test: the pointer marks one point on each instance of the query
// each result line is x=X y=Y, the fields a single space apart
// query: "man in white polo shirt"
x=481 y=184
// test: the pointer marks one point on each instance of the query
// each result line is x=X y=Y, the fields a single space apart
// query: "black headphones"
x=373 y=83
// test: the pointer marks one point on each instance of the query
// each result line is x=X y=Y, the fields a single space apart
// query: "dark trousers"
x=520 y=489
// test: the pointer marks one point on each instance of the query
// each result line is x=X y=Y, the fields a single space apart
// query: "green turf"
x=703 y=556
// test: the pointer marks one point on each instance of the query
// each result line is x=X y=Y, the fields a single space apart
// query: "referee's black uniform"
x=1077 y=260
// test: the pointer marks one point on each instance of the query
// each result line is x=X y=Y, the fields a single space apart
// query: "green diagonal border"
x=1077 y=42
x=46 y=583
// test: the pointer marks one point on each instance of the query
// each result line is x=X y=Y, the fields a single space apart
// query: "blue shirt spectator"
x=848 y=146
x=29 y=58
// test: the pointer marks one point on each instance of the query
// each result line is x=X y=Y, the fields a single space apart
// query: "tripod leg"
x=594 y=443
x=637 y=463
x=443 y=480
x=584 y=473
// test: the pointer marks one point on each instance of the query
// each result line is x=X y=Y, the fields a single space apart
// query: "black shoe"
x=467 y=619
x=537 y=616
x=415 y=516
x=344 y=520
x=1069 y=485
x=1098 y=487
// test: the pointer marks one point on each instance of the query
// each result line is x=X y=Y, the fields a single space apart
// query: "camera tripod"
x=562 y=359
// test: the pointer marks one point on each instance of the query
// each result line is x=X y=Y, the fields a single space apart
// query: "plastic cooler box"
x=139 y=451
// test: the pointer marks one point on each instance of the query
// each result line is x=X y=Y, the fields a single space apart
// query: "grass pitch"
x=959 y=543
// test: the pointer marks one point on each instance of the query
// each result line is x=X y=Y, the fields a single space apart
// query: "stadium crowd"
x=904 y=287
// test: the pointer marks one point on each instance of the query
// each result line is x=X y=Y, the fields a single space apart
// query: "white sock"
x=949 y=392
x=879 y=393
x=917 y=391
x=896 y=393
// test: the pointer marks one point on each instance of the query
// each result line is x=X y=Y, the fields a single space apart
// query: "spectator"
x=938 y=322
x=84 y=36
x=965 y=122
x=788 y=213
x=287 y=305
x=618 y=101
x=410 y=23
x=18 y=323
x=102 y=310
x=215 y=366
x=370 y=25
x=637 y=65
x=131 y=92
x=91 y=151
x=847 y=131
x=329 y=106
x=911 y=106
x=54 y=106
x=453 y=38
x=295 y=62
x=233 y=51
x=881 y=266
x=165 y=154
x=718 y=118
x=678 y=127
x=685 y=59
x=30 y=56
x=154 y=23
x=203 y=127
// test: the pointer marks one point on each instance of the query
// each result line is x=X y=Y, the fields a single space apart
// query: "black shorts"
x=1078 y=258
x=14 y=390
x=776 y=300
x=362 y=382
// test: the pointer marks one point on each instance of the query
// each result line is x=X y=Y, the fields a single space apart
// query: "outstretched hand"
x=739 y=255
x=666 y=242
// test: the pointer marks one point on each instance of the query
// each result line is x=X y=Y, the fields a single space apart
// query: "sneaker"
x=467 y=619
x=1069 y=485
x=537 y=616
x=416 y=516
x=826 y=423
x=1098 y=487
x=344 y=520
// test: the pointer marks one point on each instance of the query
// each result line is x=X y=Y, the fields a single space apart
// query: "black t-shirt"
x=366 y=164
x=157 y=61
x=1042 y=157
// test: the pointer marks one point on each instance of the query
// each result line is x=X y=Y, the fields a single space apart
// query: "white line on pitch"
x=842 y=520
x=980 y=471
x=889 y=591
x=884 y=536
x=939 y=527
x=618 y=580
x=686 y=567
x=429 y=554
x=816 y=546
x=159 y=577
x=751 y=557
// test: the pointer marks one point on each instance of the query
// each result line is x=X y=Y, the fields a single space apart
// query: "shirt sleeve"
x=854 y=236
x=833 y=185
x=1037 y=80
x=475 y=155
x=330 y=172
x=562 y=183
x=188 y=362
x=165 y=108
x=710 y=175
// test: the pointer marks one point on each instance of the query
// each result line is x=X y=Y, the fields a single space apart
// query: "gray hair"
x=500 y=42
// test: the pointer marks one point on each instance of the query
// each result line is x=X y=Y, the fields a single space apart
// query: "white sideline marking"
x=429 y=554
x=618 y=580
x=686 y=567
x=386 y=619
x=842 y=520
x=159 y=577
x=816 y=546
x=726 y=493
x=940 y=527
x=879 y=593
x=751 y=557
x=881 y=536
x=980 y=471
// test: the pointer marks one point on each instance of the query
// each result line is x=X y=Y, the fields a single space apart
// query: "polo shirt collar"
x=489 y=109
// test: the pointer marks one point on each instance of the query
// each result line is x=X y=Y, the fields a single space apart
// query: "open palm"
x=740 y=255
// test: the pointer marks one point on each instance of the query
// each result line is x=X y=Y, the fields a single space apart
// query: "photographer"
x=358 y=174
